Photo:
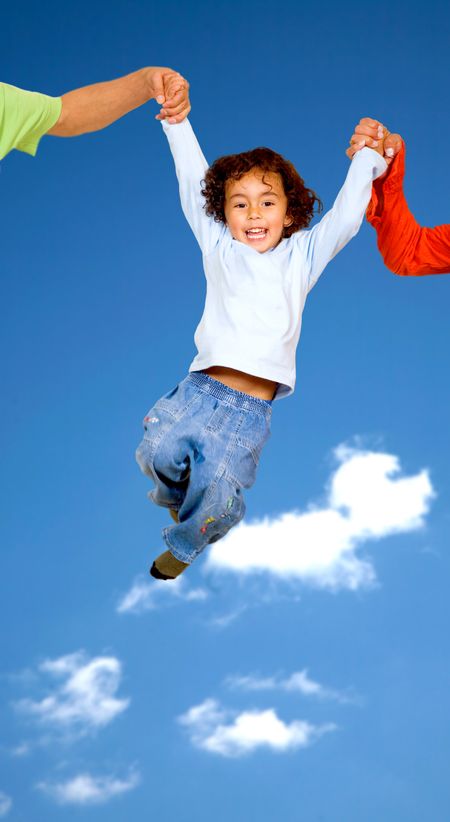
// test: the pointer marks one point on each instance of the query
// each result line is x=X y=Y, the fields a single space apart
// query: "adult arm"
x=94 y=107
x=25 y=116
x=191 y=167
x=407 y=248
x=344 y=219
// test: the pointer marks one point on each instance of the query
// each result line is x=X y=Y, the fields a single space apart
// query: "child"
x=203 y=440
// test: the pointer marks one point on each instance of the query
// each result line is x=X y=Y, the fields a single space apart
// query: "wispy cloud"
x=146 y=594
x=366 y=500
x=297 y=683
x=232 y=734
x=5 y=804
x=84 y=700
x=86 y=789
x=23 y=749
x=224 y=620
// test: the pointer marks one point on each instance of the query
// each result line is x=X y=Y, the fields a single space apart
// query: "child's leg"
x=204 y=517
x=221 y=447
x=170 y=483
x=207 y=514
x=167 y=493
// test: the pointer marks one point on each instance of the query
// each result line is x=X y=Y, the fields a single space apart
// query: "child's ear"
x=288 y=220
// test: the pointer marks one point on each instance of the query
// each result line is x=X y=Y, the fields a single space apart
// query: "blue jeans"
x=201 y=447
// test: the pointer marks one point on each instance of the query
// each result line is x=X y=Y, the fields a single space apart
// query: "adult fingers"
x=361 y=140
x=369 y=122
x=375 y=132
x=392 y=145
x=368 y=132
x=157 y=85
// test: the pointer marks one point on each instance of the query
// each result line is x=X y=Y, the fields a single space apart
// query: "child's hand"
x=175 y=99
x=373 y=134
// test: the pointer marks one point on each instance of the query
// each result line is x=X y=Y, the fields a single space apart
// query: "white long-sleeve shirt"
x=254 y=301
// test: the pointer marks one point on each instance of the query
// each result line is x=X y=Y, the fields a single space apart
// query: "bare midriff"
x=240 y=381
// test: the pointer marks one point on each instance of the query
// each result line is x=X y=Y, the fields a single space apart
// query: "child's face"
x=255 y=209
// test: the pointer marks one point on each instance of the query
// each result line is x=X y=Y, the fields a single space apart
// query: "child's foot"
x=166 y=566
x=174 y=515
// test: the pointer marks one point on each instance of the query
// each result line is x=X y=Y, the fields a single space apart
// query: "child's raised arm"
x=191 y=167
x=344 y=219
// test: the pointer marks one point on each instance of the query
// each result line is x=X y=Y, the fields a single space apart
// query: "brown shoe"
x=166 y=566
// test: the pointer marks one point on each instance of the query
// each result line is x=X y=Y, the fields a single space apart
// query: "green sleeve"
x=25 y=116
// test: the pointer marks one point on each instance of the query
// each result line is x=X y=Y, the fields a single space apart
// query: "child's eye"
x=240 y=205
x=268 y=203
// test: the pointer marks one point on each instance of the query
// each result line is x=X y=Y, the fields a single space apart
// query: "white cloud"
x=299 y=682
x=252 y=683
x=146 y=594
x=366 y=500
x=85 y=789
x=85 y=700
x=5 y=804
x=224 y=620
x=21 y=750
x=232 y=734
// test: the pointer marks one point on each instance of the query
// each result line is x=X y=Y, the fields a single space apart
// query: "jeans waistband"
x=228 y=395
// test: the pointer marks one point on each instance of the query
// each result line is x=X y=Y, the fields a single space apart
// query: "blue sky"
x=312 y=683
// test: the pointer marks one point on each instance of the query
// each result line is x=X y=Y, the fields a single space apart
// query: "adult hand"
x=171 y=91
x=94 y=107
x=373 y=134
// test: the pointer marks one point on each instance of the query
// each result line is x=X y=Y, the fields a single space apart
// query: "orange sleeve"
x=406 y=247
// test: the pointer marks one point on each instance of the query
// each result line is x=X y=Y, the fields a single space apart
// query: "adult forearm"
x=408 y=248
x=397 y=231
x=94 y=107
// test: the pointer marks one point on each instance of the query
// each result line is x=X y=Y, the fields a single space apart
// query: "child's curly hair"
x=301 y=200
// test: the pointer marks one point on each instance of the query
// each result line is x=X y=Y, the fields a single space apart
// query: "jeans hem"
x=175 y=551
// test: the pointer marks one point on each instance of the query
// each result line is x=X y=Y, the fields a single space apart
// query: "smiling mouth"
x=255 y=234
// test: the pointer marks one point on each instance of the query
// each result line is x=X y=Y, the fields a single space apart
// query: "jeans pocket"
x=169 y=402
x=156 y=424
x=219 y=418
x=243 y=465
x=250 y=442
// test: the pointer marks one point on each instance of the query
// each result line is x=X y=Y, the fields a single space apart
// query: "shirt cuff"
x=367 y=156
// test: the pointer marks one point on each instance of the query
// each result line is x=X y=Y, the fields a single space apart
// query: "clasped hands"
x=171 y=92
x=373 y=134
